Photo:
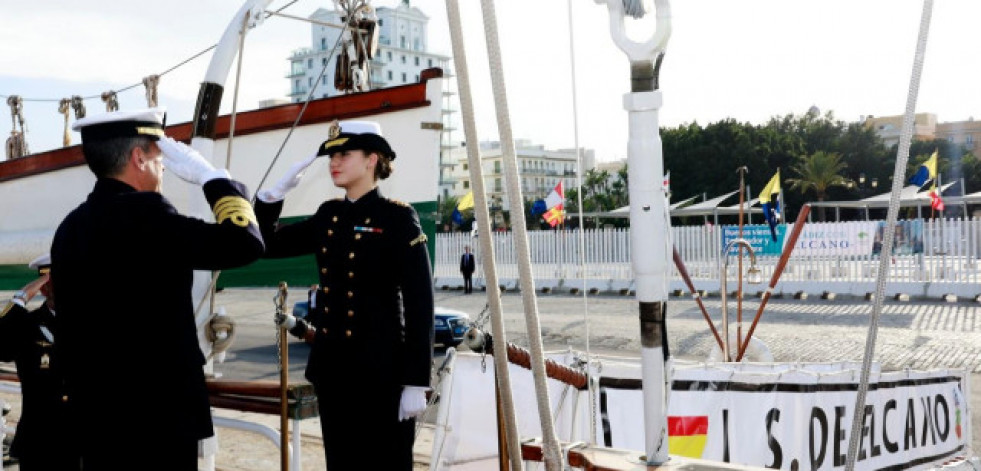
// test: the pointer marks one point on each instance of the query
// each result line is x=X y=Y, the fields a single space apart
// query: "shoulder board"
x=400 y=203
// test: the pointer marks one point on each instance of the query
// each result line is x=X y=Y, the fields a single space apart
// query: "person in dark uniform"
x=122 y=265
x=372 y=328
x=467 y=267
x=27 y=338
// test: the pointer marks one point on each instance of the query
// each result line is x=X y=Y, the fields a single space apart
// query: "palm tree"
x=819 y=172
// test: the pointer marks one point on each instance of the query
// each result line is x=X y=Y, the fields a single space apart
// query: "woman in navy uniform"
x=372 y=328
x=122 y=265
x=27 y=338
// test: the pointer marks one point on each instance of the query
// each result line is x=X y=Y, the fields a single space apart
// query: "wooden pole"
x=284 y=380
x=680 y=264
x=784 y=258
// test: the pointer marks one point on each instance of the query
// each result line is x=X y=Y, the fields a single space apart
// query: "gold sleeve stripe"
x=236 y=209
x=6 y=309
x=422 y=238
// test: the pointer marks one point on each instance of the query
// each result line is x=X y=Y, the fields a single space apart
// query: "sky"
x=748 y=61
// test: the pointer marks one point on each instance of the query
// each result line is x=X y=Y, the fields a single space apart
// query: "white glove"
x=289 y=181
x=286 y=320
x=413 y=402
x=187 y=163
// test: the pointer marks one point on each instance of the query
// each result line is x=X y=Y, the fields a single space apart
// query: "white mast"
x=648 y=234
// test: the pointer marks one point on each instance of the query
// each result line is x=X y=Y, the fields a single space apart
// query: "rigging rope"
x=552 y=453
x=581 y=235
x=161 y=74
x=898 y=179
x=482 y=215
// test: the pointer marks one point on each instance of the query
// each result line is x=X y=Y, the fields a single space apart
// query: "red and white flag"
x=936 y=202
x=556 y=197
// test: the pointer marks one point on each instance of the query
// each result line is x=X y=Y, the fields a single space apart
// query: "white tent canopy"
x=705 y=209
x=909 y=196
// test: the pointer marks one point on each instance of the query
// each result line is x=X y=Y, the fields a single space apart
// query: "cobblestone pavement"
x=910 y=335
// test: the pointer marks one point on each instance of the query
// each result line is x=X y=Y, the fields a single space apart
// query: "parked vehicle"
x=450 y=325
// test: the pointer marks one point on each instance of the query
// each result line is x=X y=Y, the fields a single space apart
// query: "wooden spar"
x=522 y=358
x=680 y=264
x=284 y=379
x=784 y=258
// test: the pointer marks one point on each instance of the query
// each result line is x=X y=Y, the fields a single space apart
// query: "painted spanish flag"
x=687 y=435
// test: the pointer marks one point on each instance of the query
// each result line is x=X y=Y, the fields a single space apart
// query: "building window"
x=497 y=166
x=323 y=62
x=430 y=62
x=402 y=41
x=417 y=77
x=323 y=44
x=403 y=58
x=389 y=56
x=309 y=81
x=381 y=22
x=389 y=75
x=403 y=77
x=323 y=81
x=465 y=166
x=466 y=184
x=417 y=60
x=415 y=44
x=497 y=184
x=309 y=63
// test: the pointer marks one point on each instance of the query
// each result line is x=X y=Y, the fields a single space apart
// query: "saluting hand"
x=187 y=163
x=289 y=181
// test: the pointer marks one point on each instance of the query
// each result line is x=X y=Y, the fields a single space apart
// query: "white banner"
x=803 y=420
x=845 y=238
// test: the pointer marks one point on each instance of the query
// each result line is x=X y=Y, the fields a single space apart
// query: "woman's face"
x=352 y=168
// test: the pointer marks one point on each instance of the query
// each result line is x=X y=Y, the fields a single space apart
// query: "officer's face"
x=149 y=164
x=352 y=168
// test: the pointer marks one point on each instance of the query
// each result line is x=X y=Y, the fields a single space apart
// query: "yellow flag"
x=772 y=187
x=466 y=202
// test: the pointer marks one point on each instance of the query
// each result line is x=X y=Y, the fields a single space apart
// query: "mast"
x=650 y=250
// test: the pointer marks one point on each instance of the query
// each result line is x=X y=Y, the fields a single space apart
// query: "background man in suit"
x=122 y=265
x=467 y=267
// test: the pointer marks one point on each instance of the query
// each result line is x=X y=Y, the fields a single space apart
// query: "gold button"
x=350 y=294
x=350 y=313
x=347 y=333
x=334 y=219
x=325 y=311
x=367 y=220
x=64 y=398
x=323 y=250
x=357 y=236
x=350 y=255
x=330 y=232
x=326 y=289
x=350 y=274
x=323 y=271
x=324 y=330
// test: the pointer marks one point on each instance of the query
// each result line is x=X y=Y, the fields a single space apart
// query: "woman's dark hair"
x=384 y=168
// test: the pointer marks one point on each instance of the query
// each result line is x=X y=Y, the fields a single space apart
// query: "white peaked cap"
x=40 y=262
x=360 y=127
x=147 y=122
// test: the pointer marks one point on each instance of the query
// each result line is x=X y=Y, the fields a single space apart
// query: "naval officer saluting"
x=372 y=327
x=122 y=265
x=27 y=338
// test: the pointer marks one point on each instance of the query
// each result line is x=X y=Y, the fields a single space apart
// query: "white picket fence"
x=947 y=263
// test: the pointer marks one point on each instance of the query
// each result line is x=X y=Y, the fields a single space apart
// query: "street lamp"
x=753 y=276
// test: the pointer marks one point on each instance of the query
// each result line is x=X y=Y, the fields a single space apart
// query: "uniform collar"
x=368 y=197
x=111 y=186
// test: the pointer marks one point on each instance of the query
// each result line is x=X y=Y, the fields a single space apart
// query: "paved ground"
x=914 y=334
